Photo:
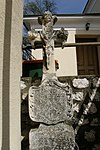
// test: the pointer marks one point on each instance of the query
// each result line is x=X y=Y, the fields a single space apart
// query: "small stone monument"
x=51 y=103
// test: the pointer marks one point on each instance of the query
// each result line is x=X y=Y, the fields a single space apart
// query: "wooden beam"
x=68 y=45
x=81 y=44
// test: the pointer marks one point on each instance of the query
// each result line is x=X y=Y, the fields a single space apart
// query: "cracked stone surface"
x=52 y=137
x=51 y=102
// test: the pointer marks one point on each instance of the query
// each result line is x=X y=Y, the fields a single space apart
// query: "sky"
x=68 y=6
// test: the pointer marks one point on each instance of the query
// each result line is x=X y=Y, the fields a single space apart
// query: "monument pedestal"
x=52 y=137
x=51 y=105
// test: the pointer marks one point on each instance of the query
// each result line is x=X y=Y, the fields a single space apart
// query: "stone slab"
x=51 y=102
x=80 y=83
x=53 y=137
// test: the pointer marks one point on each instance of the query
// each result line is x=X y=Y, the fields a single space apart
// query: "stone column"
x=10 y=67
x=2 y=21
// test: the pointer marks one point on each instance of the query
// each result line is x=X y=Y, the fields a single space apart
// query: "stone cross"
x=47 y=36
x=50 y=103
x=47 y=21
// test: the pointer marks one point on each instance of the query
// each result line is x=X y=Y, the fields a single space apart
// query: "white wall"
x=67 y=58
x=15 y=74
x=11 y=23
x=2 y=21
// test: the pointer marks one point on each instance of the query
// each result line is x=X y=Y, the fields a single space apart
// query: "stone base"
x=53 y=137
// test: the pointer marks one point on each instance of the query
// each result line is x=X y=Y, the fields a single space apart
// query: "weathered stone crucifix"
x=51 y=103
x=47 y=37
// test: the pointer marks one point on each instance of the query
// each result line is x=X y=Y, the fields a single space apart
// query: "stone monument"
x=51 y=103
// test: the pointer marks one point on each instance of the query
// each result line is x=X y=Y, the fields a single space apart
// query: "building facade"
x=92 y=6
x=75 y=60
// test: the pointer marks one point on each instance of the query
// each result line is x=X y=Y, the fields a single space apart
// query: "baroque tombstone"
x=51 y=103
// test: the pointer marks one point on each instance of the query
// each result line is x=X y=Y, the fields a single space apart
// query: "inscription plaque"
x=51 y=102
